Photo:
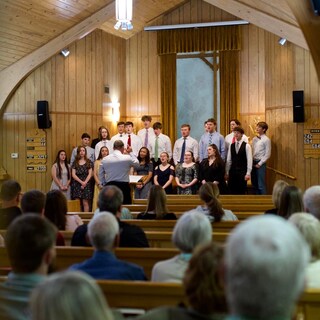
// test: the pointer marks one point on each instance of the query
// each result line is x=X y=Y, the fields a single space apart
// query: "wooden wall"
x=74 y=88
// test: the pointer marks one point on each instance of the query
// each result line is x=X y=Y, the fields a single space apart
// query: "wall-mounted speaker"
x=298 y=106
x=43 y=116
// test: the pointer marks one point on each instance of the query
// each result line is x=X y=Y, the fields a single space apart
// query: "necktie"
x=183 y=150
x=210 y=139
x=237 y=146
x=129 y=140
x=233 y=139
x=120 y=135
x=146 y=139
x=156 y=149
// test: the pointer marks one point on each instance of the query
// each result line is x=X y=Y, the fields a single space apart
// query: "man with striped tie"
x=146 y=134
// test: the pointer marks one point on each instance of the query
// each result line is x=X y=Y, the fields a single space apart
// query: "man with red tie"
x=131 y=139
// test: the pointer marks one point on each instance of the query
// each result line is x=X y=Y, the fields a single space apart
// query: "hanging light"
x=123 y=15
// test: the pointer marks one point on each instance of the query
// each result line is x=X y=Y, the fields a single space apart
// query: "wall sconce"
x=123 y=15
x=65 y=52
x=282 y=41
x=115 y=111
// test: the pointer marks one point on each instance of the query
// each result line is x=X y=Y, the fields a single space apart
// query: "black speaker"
x=298 y=106
x=43 y=117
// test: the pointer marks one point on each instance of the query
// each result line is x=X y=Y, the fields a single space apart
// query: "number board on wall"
x=36 y=150
x=311 y=138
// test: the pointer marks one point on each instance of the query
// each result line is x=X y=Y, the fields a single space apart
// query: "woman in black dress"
x=212 y=169
x=164 y=173
x=81 y=186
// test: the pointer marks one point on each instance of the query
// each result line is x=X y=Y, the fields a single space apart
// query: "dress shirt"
x=142 y=135
x=191 y=145
x=216 y=139
x=164 y=145
x=116 y=167
x=103 y=143
x=90 y=154
x=136 y=143
x=118 y=136
x=261 y=149
x=228 y=140
x=248 y=154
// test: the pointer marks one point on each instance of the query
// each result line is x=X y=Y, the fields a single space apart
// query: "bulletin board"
x=311 y=138
x=36 y=144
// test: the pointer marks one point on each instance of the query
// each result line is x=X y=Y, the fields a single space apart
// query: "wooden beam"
x=310 y=26
x=12 y=76
x=262 y=20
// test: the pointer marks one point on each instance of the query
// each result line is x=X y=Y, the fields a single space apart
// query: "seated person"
x=278 y=187
x=212 y=207
x=103 y=232
x=10 y=197
x=69 y=295
x=157 y=206
x=203 y=288
x=191 y=230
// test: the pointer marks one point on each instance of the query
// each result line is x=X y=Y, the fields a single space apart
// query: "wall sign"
x=311 y=138
x=36 y=150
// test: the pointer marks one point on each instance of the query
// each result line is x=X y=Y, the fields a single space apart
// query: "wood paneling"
x=74 y=88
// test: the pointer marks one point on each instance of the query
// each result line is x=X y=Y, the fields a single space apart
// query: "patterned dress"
x=186 y=175
x=82 y=172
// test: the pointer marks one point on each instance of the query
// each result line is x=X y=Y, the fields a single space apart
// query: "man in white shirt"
x=261 y=146
x=160 y=143
x=230 y=138
x=131 y=139
x=239 y=163
x=103 y=143
x=115 y=168
x=184 y=144
x=146 y=134
x=85 y=141
x=121 y=133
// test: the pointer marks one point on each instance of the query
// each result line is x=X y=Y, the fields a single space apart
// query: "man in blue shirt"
x=211 y=137
x=103 y=232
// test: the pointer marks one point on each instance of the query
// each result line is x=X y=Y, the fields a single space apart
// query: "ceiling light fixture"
x=123 y=15
x=282 y=41
x=65 y=52
x=196 y=25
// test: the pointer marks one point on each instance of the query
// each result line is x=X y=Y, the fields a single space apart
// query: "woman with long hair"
x=164 y=173
x=212 y=169
x=81 y=186
x=61 y=175
x=290 y=202
x=157 y=206
x=187 y=175
x=145 y=169
x=212 y=206
x=56 y=211
x=104 y=151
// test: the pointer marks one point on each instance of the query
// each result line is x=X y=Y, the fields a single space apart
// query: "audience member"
x=311 y=200
x=185 y=143
x=261 y=148
x=290 y=202
x=278 y=187
x=211 y=136
x=157 y=206
x=81 y=185
x=56 y=209
x=61 y=175
x=144 y=169
x=239 y=164
x=10 y=196
x=187 y=175
x=30 y=246
x=164 y=174
x=265 y=261
x=309 y=227
x=213 y=169
x=85 y=141
x=103 y=232
x=212 y=207
x=190 y=231
x=203 y=288
x=110 y=199
x=69 y=296
x=115 y=168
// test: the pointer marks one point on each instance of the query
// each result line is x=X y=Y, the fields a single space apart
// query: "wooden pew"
x=74 y=205
x=67 y=256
